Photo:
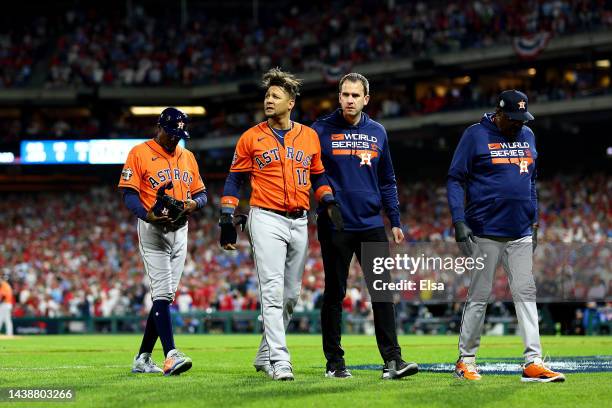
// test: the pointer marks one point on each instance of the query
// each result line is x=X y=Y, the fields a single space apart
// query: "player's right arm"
x=240 y=171
x=458 y=174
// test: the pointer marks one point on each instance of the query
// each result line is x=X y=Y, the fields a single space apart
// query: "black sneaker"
x=396 y=369
x=338 y=373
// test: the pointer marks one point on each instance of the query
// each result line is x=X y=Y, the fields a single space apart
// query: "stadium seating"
x=100 y=49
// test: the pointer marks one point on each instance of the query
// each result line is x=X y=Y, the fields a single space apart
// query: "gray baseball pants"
x=280 y=245
x=517 y=259
x=163 y=254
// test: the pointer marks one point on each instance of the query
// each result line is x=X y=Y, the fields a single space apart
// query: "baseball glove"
x=169 y=206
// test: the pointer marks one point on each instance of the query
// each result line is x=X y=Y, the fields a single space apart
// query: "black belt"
x=294 y=215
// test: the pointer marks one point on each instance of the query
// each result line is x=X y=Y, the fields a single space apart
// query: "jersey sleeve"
x=243 y=160
x=458 y=174
x=198 y=184
x=131 y=175
x=316 y=166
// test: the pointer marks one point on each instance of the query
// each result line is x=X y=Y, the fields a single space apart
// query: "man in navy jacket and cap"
x=355 y=153
x=493 y=201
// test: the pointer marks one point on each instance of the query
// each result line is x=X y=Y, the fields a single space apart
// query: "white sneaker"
x=144 y=364
x=283 y=371
x=266 y=368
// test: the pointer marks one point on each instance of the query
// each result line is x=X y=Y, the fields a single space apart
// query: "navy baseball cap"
x=514 y=104
x=174 y=122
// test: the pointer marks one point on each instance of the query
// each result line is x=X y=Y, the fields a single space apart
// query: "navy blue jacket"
x=359 y=168
x=495 y=178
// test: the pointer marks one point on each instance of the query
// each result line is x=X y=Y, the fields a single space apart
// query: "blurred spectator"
x=597 y=291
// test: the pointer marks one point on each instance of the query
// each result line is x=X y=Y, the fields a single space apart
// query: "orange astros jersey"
x=280 y=175
x=6 y=293
x=149 y=166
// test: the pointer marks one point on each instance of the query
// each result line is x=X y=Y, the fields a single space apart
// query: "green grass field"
x=98 y=368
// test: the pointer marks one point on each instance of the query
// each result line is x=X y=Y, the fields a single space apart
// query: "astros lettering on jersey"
x=280 y=175
x=149 y=166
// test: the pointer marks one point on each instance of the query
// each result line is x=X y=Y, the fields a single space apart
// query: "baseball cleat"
x=396 y=369
x=176 y=363
x=266 y=368
x=338 y=373
x=536 y=371
x=143 y=364
x=466 y=371
x=283 y=372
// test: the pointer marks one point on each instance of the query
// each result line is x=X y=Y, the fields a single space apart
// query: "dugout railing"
x=235 y=322
x=419 y=321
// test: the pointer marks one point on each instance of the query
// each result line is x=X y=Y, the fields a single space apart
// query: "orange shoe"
x=467 y=371
x=176 y=362
x=538 y=372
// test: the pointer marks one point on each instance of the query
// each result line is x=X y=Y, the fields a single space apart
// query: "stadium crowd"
x=76 y=254
x=96 y=47
x=230 y=120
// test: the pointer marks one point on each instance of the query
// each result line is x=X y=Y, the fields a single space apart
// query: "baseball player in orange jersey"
x=6 y=306
x=153 y=168
x=282 y=158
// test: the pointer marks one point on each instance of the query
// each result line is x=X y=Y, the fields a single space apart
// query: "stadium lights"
x=156 y=110
x=602 y=63
x=531 y=71
x=462 y=80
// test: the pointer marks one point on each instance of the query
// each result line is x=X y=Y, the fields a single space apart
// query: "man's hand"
x=190 y=206
x=334 y=214
x=464 y=237
x=240 y=220
x=229 y=236
x=398 y=235
x=333 y=211
x=162 y=220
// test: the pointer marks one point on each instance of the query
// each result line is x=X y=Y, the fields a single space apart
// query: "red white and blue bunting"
x=530 y=46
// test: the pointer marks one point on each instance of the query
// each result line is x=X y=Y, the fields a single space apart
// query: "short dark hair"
x=286 y=80
x=355 y=77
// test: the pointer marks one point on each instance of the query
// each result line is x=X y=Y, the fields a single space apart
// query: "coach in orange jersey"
x=282 y=159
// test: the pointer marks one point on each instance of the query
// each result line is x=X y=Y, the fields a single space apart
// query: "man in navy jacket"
x=493 y=201
x=355 y=153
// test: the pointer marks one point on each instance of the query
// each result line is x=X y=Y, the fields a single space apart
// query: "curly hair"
x=287 y=81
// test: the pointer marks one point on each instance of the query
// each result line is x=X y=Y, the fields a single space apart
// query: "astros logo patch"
x=126 y=174
x=366 y=159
